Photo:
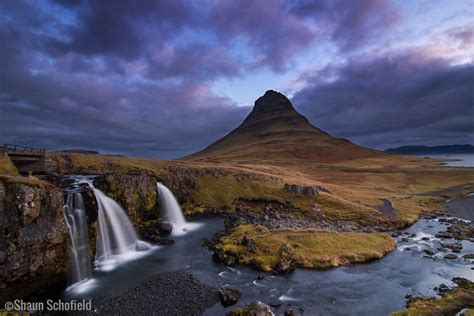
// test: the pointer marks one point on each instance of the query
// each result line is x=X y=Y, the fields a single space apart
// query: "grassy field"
x=355 y=189
x=308 y=248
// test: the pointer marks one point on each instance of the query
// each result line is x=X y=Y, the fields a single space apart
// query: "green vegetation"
x=450 y=303
x=6 y=166
x=223 y=193
x=30 y=181
x=308 y=248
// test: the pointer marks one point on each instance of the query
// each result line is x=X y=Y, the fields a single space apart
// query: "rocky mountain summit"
x=275 y=132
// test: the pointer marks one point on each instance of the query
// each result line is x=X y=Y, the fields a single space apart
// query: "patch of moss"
x=308 y=248
x=450 y=303
x=30 y=181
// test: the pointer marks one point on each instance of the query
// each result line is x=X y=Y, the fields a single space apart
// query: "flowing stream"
x=375 y=288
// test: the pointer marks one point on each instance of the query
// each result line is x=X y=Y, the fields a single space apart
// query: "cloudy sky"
x=165 y=78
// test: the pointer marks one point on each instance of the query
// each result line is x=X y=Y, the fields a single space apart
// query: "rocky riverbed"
x=166 y=293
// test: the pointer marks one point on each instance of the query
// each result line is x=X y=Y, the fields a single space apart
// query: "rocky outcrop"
x=257 y=308
x=229 y=296
x=33 y=236
x=136 y=193
x=301 y=189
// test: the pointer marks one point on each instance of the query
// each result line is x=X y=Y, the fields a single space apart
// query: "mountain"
x=275 y=132
x=427 y=150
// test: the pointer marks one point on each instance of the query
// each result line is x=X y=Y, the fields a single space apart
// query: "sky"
x=164 y=78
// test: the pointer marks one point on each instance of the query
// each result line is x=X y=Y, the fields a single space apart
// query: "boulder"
x=249 y=243
x=450 y=256
x=229 y=296
x=287 y=260
x=165 y=228
x=257 y=308
x=301 y=189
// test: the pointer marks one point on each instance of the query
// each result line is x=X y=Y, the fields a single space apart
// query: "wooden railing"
x=17 y=149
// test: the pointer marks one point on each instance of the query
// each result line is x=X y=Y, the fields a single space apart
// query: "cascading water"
x=117 y=240
x=173 y=212
x=77 y=224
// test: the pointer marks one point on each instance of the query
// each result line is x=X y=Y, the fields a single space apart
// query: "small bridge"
x=27 y=159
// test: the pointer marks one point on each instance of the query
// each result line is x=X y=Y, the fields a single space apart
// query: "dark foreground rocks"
x=229 y=296
x=33 y=236
x=255 y=308
x=167 y=293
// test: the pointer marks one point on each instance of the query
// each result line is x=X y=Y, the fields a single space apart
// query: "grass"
x=311 y=248
x=356 y=187
x=7 y=167
x=450 y=303
x=30 y=181
x=222 y=193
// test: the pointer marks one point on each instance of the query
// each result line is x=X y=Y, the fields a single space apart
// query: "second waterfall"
x=173 y=212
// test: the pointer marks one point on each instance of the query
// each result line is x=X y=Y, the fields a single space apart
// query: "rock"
x=462 y=282
x=444 y=234
x=229 y=296
x=450 y=256
x=249 y=243
x=301 y=189
x=236 y=312
x=443 y=288
x=227 y=258
x=33 y=237
x=165 y=228
x=290 y=312
x=454 y=247
x=428 y=252
x=257 y=308
x=469 y=256
x=136 y=193
x=141 y=246
x=287 y=259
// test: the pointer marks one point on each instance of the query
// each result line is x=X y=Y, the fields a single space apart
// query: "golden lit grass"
x=30 y=181
x=356 y=187
x=6 y=166
x=223 y=191
x=311 y=248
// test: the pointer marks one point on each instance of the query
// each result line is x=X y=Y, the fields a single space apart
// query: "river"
x=375 y=288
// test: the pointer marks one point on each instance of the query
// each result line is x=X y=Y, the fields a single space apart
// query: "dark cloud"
x=74 y=101
x=135 y=77
x=349 y=23
x=270 y=30
x=121 y=27
x=394 y=99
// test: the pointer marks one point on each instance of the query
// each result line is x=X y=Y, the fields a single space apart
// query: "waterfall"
x=77 y=224
x=116 y=239
x=173 y=212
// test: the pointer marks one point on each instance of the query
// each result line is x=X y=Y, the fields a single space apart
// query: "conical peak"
x=272 y=100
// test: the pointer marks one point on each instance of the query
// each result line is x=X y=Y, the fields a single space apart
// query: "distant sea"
x=466 y=160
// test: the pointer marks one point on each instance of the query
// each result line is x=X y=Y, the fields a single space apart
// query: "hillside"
x=275 y=132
